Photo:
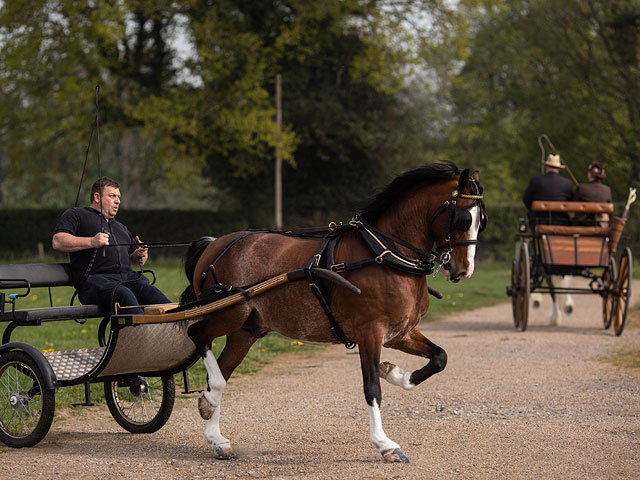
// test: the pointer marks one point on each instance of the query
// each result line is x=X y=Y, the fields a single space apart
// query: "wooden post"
x=279 y=152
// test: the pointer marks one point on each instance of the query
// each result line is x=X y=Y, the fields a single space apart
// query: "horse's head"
x=456 y=226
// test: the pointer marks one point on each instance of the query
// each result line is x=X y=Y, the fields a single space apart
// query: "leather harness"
x=377 y=241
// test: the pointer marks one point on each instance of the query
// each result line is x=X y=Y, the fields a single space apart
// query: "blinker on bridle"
x=459 y=219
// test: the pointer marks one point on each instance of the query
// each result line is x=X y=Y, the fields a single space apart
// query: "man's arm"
x=65 y=242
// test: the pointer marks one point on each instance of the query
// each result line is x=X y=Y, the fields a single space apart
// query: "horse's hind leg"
x=415 y=343
x=369 y=361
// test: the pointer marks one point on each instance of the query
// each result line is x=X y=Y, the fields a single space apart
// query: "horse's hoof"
x=205 y=408
x=385 y=368
x=223 y=452
x=568 y=309
x=395 y=456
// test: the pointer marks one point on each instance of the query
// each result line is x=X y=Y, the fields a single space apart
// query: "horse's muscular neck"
x=410 y=220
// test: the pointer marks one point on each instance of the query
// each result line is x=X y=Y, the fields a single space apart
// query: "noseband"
x=459 y=219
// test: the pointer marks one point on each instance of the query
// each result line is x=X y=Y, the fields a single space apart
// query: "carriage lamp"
x=522 y=225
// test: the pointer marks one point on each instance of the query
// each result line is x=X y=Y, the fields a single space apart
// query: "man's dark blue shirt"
x=87 y=222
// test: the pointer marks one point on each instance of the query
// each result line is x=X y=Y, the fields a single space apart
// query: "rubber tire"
x=131 y=423
x=41 y=419
x=623 y=291
x=608 y=300
x=524 y=287
x=514 y=295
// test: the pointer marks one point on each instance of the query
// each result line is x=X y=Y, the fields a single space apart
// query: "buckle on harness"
x=338 y=267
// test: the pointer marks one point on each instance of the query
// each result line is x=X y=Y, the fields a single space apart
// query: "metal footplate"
x=71 y=364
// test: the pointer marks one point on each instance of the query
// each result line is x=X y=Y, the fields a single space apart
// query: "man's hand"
x=100 y=240
x=140 y=254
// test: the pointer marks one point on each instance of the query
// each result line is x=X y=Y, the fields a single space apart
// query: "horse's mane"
x=436 y=172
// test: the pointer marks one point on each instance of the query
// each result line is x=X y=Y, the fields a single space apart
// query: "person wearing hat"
x=593 y=191
x=551 y=187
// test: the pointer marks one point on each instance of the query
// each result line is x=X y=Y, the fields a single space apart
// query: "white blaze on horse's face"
x=463 y=269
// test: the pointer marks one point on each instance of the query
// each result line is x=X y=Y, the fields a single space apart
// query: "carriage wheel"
x=522 y=289
x=141 y=404
x=26 y=407
x=514 y=295
x=608 y=299
x=623 y=291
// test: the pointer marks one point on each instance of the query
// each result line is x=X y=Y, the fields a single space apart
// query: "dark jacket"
x=590 y=192
x=550 y=187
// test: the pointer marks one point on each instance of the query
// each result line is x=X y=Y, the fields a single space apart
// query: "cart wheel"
x=522 y=289
x=622 y=292
x=26 y=407
x=141 y=404
x=608 y=299
x=514 y=292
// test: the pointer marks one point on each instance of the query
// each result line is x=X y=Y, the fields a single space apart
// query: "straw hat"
x=554 y=161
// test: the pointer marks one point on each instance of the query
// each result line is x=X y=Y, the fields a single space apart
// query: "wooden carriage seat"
x=574 y=245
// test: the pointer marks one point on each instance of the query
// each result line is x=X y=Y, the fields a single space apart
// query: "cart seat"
x=576 y=207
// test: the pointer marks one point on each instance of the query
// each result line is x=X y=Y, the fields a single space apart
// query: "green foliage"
x=567 y=69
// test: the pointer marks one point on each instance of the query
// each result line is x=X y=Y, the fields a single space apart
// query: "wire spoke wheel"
x=608 y=298
x=622 y=292
x=141 y=404
x=26 y=407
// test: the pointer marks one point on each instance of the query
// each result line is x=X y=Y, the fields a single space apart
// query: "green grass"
x=486 y=287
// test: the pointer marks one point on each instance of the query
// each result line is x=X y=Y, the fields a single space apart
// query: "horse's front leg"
x=369 y=361
x=415 y=343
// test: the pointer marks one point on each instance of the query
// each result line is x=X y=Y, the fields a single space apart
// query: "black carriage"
x=582 y=251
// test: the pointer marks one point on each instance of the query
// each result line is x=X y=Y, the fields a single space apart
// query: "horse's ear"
x=464 y=178
x=476 y=175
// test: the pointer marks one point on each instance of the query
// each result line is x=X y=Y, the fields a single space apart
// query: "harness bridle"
x=459 y=219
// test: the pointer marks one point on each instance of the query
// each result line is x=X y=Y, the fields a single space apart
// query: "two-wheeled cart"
x=582 y=251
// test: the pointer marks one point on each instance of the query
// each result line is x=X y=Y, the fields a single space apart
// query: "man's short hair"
x=101 y=183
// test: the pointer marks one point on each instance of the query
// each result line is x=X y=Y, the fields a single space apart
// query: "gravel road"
x=539 y=404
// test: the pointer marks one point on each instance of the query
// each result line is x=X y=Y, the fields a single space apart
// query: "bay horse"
x=434 y=212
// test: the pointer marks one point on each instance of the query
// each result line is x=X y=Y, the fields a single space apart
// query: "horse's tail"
x=191 y=259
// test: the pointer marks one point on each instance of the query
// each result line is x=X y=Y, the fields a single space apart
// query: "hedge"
x=22 y=230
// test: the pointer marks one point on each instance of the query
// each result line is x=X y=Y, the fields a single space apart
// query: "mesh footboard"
x=71 y=364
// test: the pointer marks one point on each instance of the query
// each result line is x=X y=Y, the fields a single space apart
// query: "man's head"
x=553 y=164
x=595 y=171
x=109 y=191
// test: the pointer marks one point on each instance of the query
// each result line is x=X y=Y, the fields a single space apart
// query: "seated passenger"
x=105 y=278
x=551 y=187
x=594 y=191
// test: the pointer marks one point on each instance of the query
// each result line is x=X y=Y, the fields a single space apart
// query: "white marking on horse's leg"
x=389 y=449
x=220 y=444
x=396 y=375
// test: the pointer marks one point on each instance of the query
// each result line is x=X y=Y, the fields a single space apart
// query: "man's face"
x=110 y=202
